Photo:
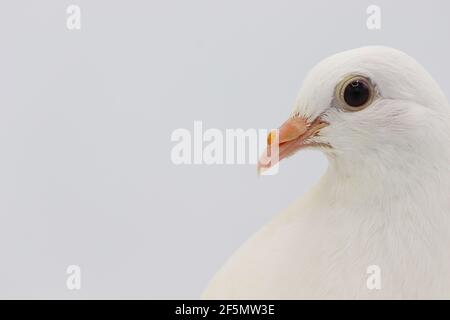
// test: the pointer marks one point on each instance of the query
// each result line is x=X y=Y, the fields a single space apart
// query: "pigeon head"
x=372 y=103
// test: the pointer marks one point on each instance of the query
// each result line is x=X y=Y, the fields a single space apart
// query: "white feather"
x=384 y=200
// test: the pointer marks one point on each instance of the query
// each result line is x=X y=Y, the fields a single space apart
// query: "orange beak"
x=292 y=136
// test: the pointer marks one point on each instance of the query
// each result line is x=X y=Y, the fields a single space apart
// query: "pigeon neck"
x=375 y=180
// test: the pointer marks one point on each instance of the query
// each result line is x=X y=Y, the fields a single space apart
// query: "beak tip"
x=270 y=137
x=262 y=167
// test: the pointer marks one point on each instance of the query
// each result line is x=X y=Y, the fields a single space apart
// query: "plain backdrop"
x=86 y=117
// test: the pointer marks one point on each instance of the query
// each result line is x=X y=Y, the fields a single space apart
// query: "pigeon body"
x=384 y=200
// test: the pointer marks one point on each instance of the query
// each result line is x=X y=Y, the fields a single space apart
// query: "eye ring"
x=355 y=93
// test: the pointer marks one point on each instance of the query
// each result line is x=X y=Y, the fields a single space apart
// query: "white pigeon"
x=381 y=210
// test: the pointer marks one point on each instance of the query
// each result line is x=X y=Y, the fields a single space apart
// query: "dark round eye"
x=357 y=93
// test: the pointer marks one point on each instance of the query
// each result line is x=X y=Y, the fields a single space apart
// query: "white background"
x=86 y=118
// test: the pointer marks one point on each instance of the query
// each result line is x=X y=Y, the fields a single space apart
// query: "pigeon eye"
x=356 y=93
